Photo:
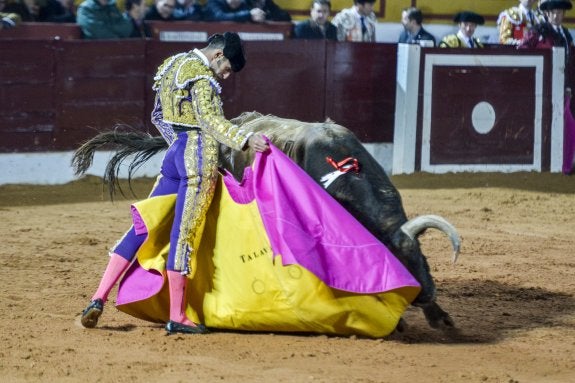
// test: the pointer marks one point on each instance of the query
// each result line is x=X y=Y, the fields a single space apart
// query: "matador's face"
x=221 y=67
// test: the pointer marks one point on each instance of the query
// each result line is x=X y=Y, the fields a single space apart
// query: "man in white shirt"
x=356 y=23
x=468 y=22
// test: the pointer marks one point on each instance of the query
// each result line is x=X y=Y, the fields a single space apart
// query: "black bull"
x=368 y=194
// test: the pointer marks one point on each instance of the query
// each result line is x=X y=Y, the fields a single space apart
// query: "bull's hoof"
x=436 y=317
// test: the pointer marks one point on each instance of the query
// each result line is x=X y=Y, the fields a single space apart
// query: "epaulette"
x=451 y=41
x=513 y=15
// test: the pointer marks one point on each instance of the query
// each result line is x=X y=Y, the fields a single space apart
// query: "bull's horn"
x=416 y=225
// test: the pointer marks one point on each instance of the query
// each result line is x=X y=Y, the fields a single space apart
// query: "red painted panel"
x=286 y=79
x=43 y=31
x=510 y=127
x=209 y=28
x=26 y=61
x=102 y=58
x=26 y=98
x=27 y=108
x=25 y=141
x=100 y=84
x=510 y=91
x=360 y=88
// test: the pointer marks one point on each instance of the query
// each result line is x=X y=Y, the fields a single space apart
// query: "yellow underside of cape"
x=236 y=284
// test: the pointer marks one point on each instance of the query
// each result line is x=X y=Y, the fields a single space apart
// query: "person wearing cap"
x=413 y=31
x=188 y=113
x=468 y=22
x=356 y=23
x=513 y=23
x=551 y=33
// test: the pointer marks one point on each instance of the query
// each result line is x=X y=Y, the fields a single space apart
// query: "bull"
x=367 y=193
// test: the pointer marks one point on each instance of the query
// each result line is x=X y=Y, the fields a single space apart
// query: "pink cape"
x=310 y=228
x=306 y=226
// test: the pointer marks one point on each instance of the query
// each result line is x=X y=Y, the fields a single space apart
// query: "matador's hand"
x=257 y=143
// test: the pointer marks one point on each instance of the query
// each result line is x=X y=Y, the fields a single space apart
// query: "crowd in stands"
x=530 y=23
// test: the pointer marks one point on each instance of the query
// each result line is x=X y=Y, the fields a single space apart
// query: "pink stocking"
x=177 y=285
x=116 y=267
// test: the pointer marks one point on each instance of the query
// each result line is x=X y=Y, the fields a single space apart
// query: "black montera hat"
x=234 y=51
x=547 y=5
x=469 y=17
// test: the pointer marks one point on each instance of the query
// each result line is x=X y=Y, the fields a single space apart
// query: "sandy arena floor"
x=512 y=295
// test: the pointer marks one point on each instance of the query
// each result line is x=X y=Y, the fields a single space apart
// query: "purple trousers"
x=189 y=169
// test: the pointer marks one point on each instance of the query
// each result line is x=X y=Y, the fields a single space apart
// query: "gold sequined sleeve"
x=506 y=32
x=207 y=106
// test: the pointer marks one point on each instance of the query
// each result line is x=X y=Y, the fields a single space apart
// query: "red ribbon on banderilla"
x=344 y=166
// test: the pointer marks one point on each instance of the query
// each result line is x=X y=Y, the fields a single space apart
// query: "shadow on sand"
x=488 y=312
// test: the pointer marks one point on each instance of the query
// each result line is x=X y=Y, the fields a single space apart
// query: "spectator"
x=59 y=11
x=318 y=25
x=188 y=10
x=551 y=33
x=41 y=11
x=233 y=10
x=271 y=9
x=413 y=32
x=468 y=22
x=135 y=11
x=513 y=23
x=7 y=19
x=162 y=10
x=26 y=9
x=356 y=23
x=101 y=19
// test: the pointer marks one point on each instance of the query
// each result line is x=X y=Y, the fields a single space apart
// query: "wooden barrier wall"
x=54 y=94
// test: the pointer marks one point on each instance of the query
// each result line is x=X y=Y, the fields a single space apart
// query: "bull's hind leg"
x=436 y=316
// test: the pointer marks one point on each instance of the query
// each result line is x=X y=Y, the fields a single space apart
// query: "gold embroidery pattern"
x=201 y=160
x=189 y=95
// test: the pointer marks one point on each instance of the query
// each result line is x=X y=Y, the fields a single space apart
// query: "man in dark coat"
x=257 y=11
x=551 y=33
x=272 y=10
x=413 y=32
x=162 y=10
x=318 y=26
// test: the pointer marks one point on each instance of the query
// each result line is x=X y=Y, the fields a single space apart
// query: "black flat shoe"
x=91 y=313
x=175 y=327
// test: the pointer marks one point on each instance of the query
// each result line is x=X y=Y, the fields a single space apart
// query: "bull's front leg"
x=436 y=317
x=409 y=253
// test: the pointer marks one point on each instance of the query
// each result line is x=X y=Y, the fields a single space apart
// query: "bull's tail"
x=141 y=146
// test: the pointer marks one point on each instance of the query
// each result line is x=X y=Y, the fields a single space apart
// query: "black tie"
x=471 y=44
x=564 y=38
x=363 y=27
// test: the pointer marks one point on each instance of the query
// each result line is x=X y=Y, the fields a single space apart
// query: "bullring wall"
x=56 y=93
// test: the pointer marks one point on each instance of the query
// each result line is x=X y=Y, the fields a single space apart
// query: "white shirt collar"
x=463 y=37
x=202 y=56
